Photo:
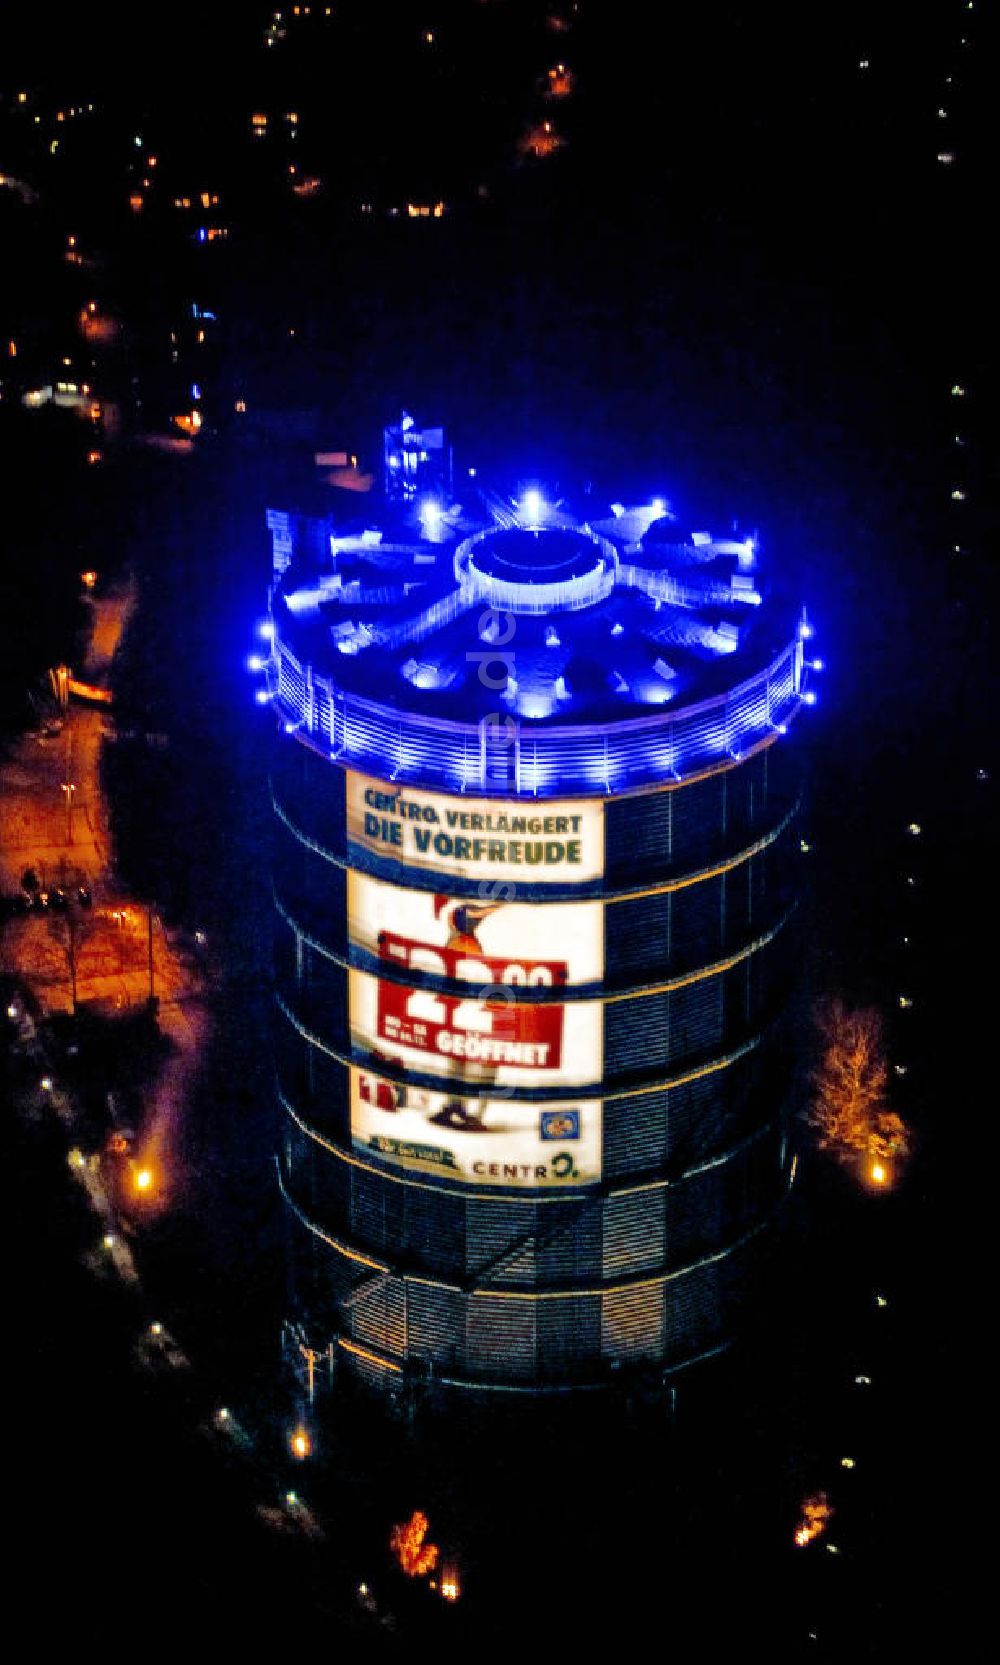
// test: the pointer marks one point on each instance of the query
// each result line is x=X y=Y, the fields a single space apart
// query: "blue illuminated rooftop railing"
x=535 y=760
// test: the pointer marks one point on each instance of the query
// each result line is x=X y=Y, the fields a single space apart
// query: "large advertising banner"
x=507 y=944
x=486 y=1141
x=500 y=839
x=487 y=1041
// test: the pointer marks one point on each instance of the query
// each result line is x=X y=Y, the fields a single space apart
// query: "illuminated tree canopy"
x=848 y=1109
x=408 y=1542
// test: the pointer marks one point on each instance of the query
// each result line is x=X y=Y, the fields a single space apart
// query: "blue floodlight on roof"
x=606 y=643
x=532 y=507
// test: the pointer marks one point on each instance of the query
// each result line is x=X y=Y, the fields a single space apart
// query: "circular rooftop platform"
x=537 y=570
x=618 y=649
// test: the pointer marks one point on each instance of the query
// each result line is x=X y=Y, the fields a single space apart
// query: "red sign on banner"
x=476 y=1030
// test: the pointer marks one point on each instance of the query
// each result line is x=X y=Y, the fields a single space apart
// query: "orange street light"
x=119 y=916
x=69 y=787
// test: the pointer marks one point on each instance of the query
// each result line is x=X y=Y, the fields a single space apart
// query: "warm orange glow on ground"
x=408 y=1543
x=115 y=955
x=540 y=141
x=816 y=1515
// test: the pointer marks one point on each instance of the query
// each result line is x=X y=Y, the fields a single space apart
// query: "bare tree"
x=850 y=1080
x=409 y=1543
x=889 y=1139
x=78 y=935
x=848 y=1109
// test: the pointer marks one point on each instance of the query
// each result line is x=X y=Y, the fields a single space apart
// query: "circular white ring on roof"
x=544 y=570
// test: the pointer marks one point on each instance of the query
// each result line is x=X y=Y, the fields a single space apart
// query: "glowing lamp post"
x=69 y=788
x=532 y=508
x=119 y=916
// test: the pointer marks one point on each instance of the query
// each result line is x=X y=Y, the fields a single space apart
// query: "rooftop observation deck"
x=534 y=655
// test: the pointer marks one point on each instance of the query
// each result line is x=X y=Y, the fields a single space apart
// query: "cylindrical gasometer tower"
x=534 y=879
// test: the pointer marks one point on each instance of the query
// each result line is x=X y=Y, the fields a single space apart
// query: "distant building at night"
x=536 y=847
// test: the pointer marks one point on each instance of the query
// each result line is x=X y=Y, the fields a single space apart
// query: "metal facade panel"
x=697 y=820
x=637 y=938
x=695 y=1111
x=696 y=926
x=632 y=1323
x=635 y=1133
x=496 y=1230
x=639 y=836
x=569 y=1337
x=695 y=1217
x=693 y=1313
x=377 y=1315
x=500 y=1338
x=634 y=1235
x=434 y=1323
x=368 y=1210
x=636 y=1036
x=696 y=1018
x=432 y=1229
x=569 y=1242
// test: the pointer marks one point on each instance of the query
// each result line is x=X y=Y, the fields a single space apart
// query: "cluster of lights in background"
x=157 y=1349
x=205 y=219
x=947 y=157
x=817 y=1510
